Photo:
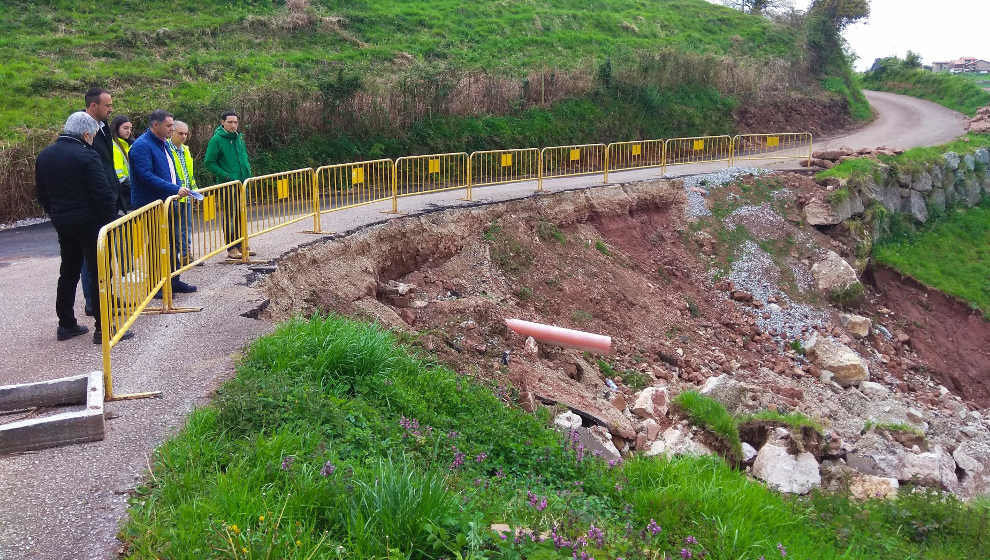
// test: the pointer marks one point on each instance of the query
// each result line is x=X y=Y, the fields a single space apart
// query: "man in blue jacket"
x=154 y=175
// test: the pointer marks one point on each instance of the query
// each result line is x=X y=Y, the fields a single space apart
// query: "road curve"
x=902 y=122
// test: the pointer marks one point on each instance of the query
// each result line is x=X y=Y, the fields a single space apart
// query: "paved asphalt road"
x=67 y=502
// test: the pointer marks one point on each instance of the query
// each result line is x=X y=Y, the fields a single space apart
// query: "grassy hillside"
x=188 y=53
x=328 y=81
x=333 y=441
x=952 y=255
x=956 y=92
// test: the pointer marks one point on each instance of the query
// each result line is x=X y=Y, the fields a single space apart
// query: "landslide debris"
x=723 y=302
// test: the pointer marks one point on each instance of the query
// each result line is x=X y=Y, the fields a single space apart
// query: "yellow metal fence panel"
x=430 y=173
x=132 y=260
x=569 y=161
x=200 y=229
x=353 y=184
x=778 y=145
x=700 y=149
x=635 y=155
x=496 y=167
x=277 y=200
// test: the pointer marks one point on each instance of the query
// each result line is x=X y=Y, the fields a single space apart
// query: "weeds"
x=711 y=415
x=602 y=248
x=547 y=231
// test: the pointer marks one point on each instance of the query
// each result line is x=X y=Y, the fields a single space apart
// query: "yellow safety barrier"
x=200 y=229
x=276 y=200
x=570 y=161
x=700 y=149
x=636 y=154
x=347 y=185
x=497 y=167
x=428 y=173
x=132 y=259
x=781 y=145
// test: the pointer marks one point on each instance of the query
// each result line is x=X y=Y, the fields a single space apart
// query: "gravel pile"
x=755 y=272
x=696 y=206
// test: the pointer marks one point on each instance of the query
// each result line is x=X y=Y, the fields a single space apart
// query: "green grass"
x=952 y=91
x=334 y=441
x=849 y=87
x=951 y=255
x=893 y=427
x=793 y=419
x=711 y=415
x=911 y=161
x=633 y=379
x=212 y=51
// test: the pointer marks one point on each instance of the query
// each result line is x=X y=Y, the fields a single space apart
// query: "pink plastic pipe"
x=561 y=336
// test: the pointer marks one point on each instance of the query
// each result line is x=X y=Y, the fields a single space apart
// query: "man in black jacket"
x=99 y=105
x=74 y=191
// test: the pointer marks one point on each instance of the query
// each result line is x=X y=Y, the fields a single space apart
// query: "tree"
x=757 y=6
x=826 y=21
x=912 y=60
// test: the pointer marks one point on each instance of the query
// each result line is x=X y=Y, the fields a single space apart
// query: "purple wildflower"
x=653 y=528
x=287 y=462
x=690 y=540
x=458 y=460
x=597 y=535
x=685 y=553
x=327 y=469
x=480 y=457
x=783 y=551
x=452 y=434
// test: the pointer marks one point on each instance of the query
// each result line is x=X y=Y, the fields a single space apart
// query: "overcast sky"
x=939 y=30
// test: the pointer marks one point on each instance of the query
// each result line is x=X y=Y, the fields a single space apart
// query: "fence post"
x=732 y=148
x=165 y=248
x=104 y=289
x=469 y=176
x=242 y=218
x=605 y=179
x=395 y=186
x=539 y=163
x=663 y=159
x=811 y=143
x=316 y=203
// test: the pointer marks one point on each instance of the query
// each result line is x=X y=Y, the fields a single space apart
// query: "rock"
x=651 y=402
x=785 y=472
x=676 y=441
x=915 y=415
x=918 y=206
x=651 y=429
x=820 y=213
x=736 y=397
x=847 y=367
x=598 y=441
x=833 y=155
x=876 y=455
x=530 y=346
x=857 y=325
x=874 y=390
x=973 y=459
x=567 y=421
x=740 y=295
x=618 y=400
x=951 y=160
x=833 y=273
x=749 y=453
x=866 y=486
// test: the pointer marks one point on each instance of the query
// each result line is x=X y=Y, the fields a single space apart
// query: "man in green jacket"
x=227 y=158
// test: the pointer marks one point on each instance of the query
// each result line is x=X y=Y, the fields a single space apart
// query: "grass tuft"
x=712 y=416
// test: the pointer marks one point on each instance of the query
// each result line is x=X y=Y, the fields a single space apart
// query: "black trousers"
x=76 y=242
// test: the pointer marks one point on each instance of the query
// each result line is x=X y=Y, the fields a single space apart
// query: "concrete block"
x=66 y=428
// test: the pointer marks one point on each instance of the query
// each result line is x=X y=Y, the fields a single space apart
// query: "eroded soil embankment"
x=950 y=337
x=611 y=261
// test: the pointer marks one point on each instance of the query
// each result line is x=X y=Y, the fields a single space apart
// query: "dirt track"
x=66 y=502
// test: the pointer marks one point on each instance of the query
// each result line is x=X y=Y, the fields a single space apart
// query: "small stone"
x=749 y=452
x=567 y=420
x=530 y=346
x=873 y=389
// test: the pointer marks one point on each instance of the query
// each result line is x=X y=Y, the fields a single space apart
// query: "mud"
x=949 y=337
x=821 y=117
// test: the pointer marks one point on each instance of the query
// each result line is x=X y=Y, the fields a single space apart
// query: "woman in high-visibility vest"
x=120 y=130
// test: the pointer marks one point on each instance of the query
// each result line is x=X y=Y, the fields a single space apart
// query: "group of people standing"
x=94 y=173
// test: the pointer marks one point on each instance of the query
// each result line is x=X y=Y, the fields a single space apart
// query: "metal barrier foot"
x=134 y=396
x=183 y=310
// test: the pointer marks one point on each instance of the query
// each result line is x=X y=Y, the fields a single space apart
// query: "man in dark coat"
x=99 y=105
x=74 y=191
